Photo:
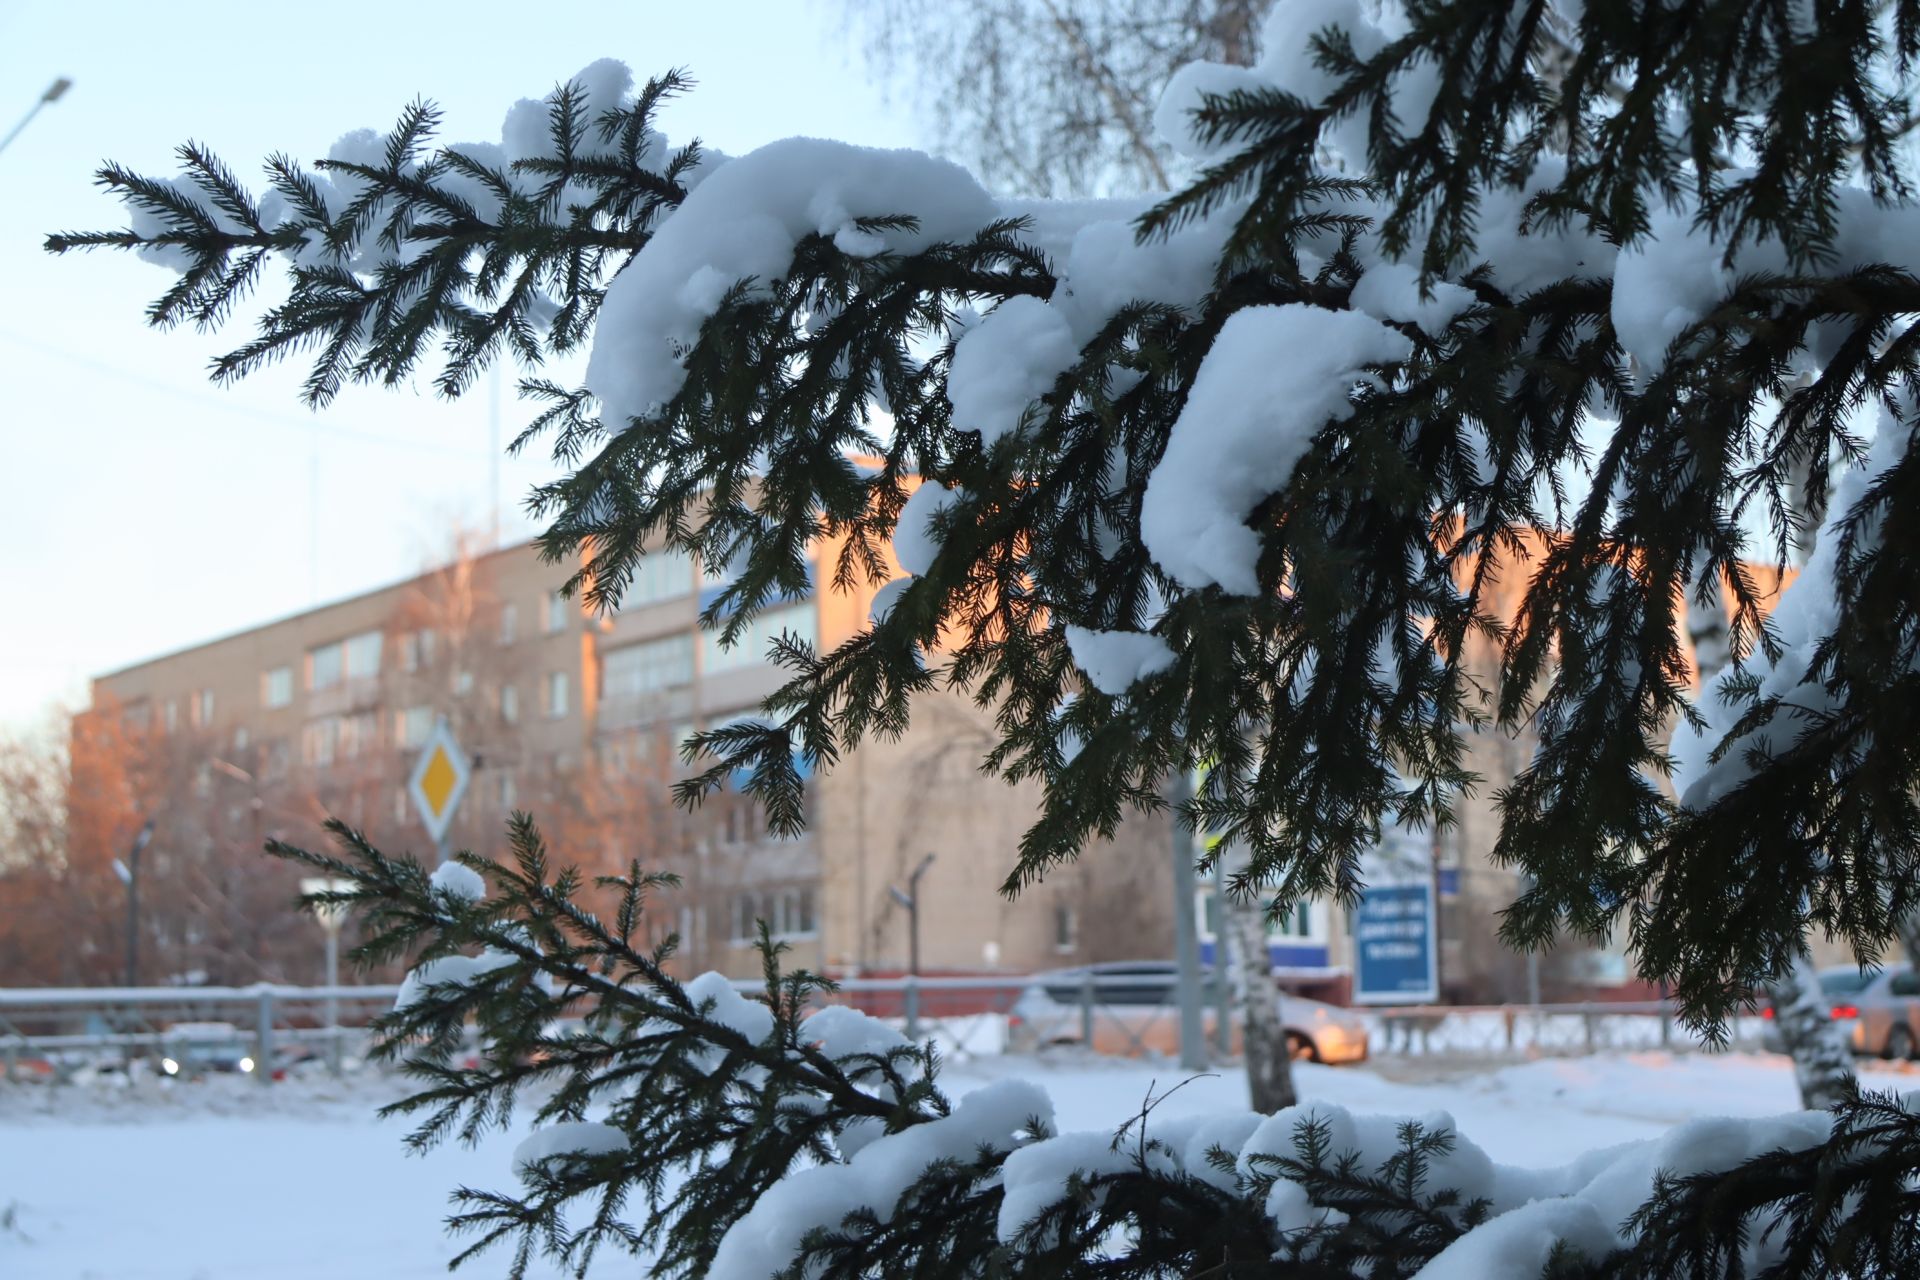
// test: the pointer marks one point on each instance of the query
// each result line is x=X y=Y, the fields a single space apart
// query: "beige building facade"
x=576 y=718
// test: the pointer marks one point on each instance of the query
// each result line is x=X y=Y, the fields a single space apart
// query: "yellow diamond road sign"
x=439 y=780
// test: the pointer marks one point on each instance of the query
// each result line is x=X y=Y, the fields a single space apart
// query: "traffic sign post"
x=439 y=781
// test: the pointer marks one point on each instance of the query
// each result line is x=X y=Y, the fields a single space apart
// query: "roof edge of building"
x=296 y=616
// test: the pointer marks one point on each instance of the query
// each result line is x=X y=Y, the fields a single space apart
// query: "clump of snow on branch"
x=765 y=1241
x=460 y=881
x=1275 y=376
x=915 y=543
x=576 y=1138
x=843 y=1032
x=1005 y=362
x=1115 y=660
x=742 y=224
x=1807 y=612
x=1036 y=1178
x=731 y=1009
x=450 y=971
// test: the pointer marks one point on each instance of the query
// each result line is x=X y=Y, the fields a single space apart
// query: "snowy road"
x=230 y=1182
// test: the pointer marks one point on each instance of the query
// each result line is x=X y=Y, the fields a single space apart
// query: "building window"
x=201 y=708
x=414 y=724
x=319 y=740
x=1297 y=923
x=556 y=613
x=402 y=804
x=506 y=791
x=276 y=687
x=324 y=666
x=789 y=913
x=660 y=575
x=1300 y=924
x=634 y=672
x=170 y=716
x=359 y=733
x=556 y=694
x=416 y=649
x=509 y=704
x=1066 y=927
x=240 y=739
x=796 y=914
x=752 y=648
x=462 y=683
x=363 y=655
x=509 y=623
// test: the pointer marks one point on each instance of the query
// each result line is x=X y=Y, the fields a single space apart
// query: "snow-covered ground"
x=229 y=1181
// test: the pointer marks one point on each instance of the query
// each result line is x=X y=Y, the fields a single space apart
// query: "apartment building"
x=576 y=718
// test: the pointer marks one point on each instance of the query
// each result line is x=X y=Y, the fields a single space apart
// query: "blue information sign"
x=1393 y=945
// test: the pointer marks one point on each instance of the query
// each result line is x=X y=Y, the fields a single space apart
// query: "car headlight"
x=169 y=1066
x=246 y=1064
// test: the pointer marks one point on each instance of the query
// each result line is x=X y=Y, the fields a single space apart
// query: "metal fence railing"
x=54 y=1032
x=1547 y=1030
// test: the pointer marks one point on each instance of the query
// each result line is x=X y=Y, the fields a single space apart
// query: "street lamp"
x=129 y=873
x=330 y=915
x=910 y=899
x=53 y=94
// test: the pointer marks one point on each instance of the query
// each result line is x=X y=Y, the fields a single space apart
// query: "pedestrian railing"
x=52 y=1032
x=56 y=1030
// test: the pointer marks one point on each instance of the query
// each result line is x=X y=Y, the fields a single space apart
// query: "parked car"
x=1883 y=1007
x=192 y=1049
x=1880 y=1008
x=1135 y=1012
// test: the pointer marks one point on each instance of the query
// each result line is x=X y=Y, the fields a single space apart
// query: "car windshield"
x=1845 y=982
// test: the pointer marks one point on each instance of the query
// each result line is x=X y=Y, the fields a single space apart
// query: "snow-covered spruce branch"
x=734 y=1137
x=1221 y=479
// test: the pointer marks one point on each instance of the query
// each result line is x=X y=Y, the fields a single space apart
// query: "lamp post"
x=910 y=899
x=330 y=917
x=129 y=873
x=53 y=94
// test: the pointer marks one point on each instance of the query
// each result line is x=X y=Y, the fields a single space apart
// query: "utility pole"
x=1186 y=942
x=129 y=873
x=53 y=94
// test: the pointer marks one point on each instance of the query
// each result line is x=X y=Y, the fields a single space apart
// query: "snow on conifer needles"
x=1236 y=424
x=743 y=1135
x=1487 y=323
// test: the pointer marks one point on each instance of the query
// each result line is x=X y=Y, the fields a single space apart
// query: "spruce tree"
x=1600 y=296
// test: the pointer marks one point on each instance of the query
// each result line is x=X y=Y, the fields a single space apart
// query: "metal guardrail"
x=1547 y=1030
x=965 y=1016
x=51 y=1025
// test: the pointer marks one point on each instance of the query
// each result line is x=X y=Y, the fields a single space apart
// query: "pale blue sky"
x=143 y=509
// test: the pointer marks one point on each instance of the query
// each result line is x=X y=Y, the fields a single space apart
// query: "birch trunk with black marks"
x=1822 y=1058
x=1268 y=1056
